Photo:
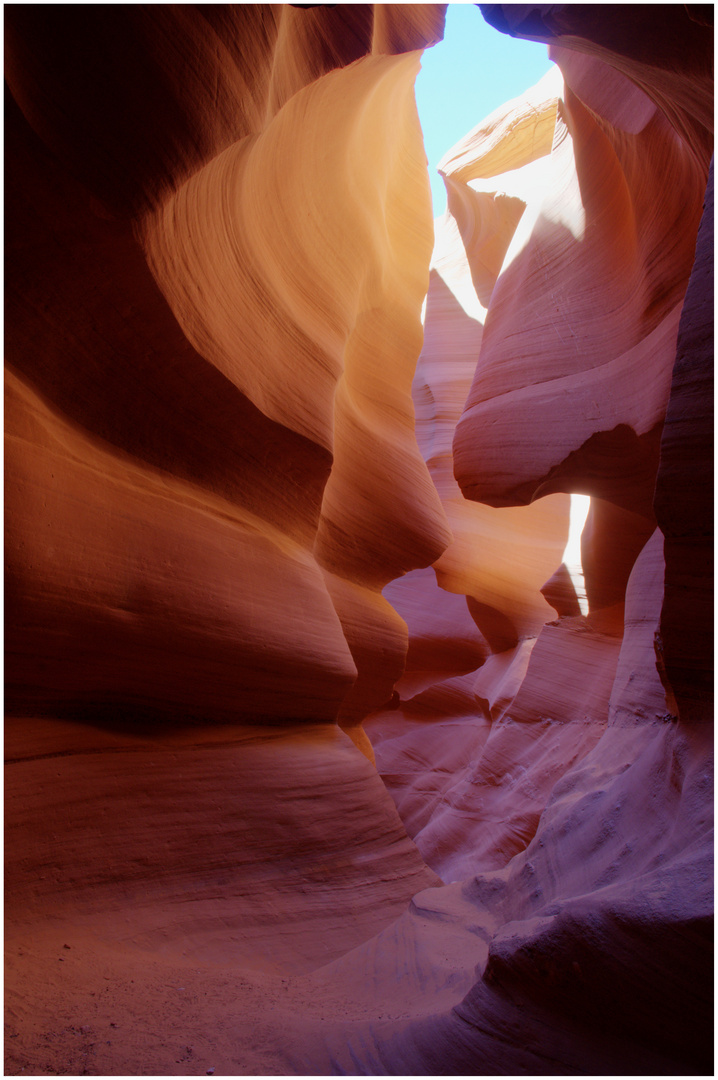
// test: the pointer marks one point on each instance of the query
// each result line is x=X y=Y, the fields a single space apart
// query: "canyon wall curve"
x=314 y=764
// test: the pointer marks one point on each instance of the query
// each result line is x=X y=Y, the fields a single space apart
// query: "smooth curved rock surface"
x=175 y=557
x=578 y=309
x=443 y=638
x=684 y=492
x=126 y=587
x=315 y=454
x=489 y=559
x=216 y=875
x=233 y=529
x=568 y=933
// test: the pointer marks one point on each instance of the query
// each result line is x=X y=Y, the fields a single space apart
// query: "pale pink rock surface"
x=605 y=884
x=242 y=879
x=560 y=591
x=443 y=638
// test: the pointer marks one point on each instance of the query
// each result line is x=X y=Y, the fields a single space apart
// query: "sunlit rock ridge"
x=314 y=765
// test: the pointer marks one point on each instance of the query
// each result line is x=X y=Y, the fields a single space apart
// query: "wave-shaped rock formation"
x=314 y=763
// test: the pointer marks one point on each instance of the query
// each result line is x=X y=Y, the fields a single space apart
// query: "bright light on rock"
x=572 y=555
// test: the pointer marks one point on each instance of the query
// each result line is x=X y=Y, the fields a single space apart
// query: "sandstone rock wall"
x=218 y=247
x=250 y=503
x=585 y=747
x=271 y=417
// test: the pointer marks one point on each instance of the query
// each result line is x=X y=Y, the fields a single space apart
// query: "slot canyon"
x=318 y=761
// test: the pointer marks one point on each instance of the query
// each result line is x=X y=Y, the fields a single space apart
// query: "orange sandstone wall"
x=219 y=232
x=254 y=511
x=202 y=473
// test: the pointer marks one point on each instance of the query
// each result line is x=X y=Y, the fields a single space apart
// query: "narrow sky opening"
x=580 y=505
x=465 y=77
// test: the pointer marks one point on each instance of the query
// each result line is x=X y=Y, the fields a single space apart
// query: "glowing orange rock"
x=599 y=308
x=213 y=493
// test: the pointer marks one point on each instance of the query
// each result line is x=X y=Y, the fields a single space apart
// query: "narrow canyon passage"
x=324 y=754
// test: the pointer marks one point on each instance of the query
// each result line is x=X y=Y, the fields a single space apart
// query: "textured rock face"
x=307 y=395
x=602 y=304
x=259 y=529
x=211 y=473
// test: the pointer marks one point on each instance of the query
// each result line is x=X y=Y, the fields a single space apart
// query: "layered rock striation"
x=216 y=272
x=262 y=526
